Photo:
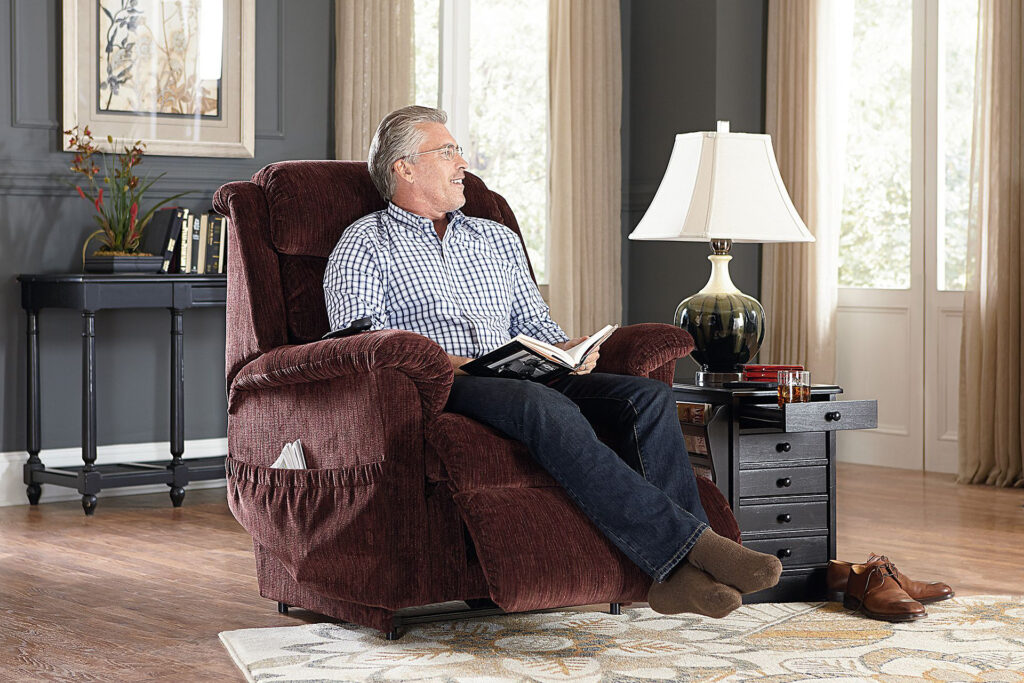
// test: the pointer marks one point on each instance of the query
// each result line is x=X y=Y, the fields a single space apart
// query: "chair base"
x=479 y=607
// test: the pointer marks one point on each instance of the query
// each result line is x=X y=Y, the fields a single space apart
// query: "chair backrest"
x=282 y=232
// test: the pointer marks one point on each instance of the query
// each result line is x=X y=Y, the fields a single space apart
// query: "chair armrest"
x=645 y=350
x=419 y=358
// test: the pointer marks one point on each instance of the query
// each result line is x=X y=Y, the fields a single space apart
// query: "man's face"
x=436 y=183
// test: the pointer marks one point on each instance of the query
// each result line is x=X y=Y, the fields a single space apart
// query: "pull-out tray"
x=816 y=416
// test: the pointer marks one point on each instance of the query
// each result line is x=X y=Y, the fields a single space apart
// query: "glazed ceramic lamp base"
x=727 y=325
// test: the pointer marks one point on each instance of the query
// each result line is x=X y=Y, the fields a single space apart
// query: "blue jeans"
x=642 y=497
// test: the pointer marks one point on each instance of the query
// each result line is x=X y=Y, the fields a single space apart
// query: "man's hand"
x=457 y=363
x=590 y=362
x=566 y=345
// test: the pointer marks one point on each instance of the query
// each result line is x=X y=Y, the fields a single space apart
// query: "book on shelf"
x=214 y=238
x=204 y=232
x=193 y=256
x=693 y=413
x=161 y=235
x=528 y=358
x=222 y=264
x=693 y=421
x=696 y=444
x=185 y=243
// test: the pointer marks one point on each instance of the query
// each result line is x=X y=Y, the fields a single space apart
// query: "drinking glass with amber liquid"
x=794 y=386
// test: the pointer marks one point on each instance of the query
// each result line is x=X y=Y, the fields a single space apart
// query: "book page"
x=580 y=351
x=571 y=357
x=547 y=350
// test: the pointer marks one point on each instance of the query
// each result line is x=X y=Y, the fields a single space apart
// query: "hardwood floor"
x=140 y=591
x=971 y=537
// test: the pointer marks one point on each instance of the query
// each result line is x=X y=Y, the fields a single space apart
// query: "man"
x=422 y=265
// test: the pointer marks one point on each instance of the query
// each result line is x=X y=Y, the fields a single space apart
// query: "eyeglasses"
x=447 y=152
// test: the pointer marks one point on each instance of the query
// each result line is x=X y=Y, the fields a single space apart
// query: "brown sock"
x=744 y=569
x=688 y=589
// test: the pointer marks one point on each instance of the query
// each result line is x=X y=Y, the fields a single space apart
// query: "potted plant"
x=116 y=197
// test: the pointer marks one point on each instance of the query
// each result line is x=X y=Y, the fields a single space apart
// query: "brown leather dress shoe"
x=874 y=590
x=838 y=575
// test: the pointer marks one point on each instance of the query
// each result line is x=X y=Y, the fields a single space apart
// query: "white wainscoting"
x=942 y=393
x=878 y=357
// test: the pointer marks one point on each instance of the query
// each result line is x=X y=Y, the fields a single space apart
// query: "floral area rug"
x=963 y=639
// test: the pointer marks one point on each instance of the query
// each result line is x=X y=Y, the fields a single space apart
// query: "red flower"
x=133 y=214
x=80 y=193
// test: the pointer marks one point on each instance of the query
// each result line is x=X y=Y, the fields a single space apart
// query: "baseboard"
x=12 y=485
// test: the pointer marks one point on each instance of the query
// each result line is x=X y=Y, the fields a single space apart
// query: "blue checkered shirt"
x=470 y=292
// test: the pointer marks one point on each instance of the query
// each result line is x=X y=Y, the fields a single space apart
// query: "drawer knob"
x=783 y=447
x=784 y=483
x=784 y=552
x=785 y=518
x=833 y=416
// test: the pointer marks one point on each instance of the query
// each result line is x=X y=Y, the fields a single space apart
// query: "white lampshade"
x=721 y=186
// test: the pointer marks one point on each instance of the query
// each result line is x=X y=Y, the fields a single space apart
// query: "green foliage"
x=874 y=244
x=875 y=239
x=959 y=26
x=120 y=216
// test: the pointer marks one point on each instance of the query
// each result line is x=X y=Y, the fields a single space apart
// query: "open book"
x=528 y=358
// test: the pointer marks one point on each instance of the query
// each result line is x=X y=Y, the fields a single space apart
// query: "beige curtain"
x=805 y=116
x=373 y=69
x=585 y=175
x=991 y=376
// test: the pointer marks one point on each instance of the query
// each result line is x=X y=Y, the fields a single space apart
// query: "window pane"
x=508 y=105
x=426 y=33
x=958 y=27
x=874 y=245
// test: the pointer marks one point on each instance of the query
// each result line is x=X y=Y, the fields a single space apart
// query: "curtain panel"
x=991 y=373
x=808 y=52
x=373 y=69
x=585 y=172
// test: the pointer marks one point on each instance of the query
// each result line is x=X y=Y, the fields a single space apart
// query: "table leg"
x=177 y=466
x=33 y=489
x=89 y=480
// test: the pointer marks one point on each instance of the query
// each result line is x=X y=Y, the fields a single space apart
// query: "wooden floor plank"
x=140 y=590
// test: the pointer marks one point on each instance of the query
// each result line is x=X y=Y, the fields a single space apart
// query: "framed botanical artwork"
x=177 y=74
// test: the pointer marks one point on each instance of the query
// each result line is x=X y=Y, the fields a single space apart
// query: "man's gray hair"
x=397 y=136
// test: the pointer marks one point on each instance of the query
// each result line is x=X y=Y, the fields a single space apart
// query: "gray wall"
x=687 y=65
x=43 y=225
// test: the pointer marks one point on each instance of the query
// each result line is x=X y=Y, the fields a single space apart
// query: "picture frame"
x=179 y=76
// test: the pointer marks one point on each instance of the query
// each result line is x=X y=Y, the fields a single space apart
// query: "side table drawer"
x=783 y=517
x=816 y=416
x=777 y=446
x=793 y=552
x=782 y=481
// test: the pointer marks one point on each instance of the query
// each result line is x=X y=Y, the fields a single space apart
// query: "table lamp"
x=722 y=187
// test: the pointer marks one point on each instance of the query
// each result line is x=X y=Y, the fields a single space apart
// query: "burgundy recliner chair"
x=403 y=504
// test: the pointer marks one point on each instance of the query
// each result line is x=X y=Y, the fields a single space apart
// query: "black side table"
x=89 y=293
x=777 y=468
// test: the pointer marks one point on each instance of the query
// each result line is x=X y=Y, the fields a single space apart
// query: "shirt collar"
x=456 y=218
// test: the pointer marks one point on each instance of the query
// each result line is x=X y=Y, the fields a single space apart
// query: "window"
x=874 y=243
x=958 y=31
x=876 y=233
x=485 y=63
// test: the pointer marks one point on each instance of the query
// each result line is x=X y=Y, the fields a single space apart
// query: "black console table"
x=89 y=293
x=777 y=468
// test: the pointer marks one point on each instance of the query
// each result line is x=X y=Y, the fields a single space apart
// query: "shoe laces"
x=881 y=571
